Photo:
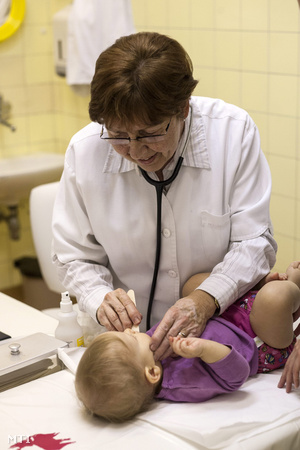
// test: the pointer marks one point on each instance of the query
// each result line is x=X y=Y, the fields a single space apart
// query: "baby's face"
x=139 y=343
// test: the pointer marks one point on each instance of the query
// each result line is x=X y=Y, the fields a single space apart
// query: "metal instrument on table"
x=28 y=358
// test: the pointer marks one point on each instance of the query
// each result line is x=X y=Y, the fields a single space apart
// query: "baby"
x=118 y=376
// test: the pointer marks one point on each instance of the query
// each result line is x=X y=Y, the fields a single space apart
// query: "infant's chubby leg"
x=274 y=310
x=192 y=283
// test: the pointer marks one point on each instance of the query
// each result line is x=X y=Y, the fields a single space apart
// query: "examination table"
x=46 y=411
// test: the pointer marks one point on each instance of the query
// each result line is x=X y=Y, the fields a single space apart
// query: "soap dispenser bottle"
x=68 y=329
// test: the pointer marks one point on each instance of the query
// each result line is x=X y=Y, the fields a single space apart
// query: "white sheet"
x=257 y=417
x=242 y=415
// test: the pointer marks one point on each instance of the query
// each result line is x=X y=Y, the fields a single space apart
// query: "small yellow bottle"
x=68 y=329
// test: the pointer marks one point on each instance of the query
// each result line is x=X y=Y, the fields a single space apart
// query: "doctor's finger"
x=108 y=318
x=163 y=350
x=160 y=344
x=112 y=313
x=290 y=374
x=160 y=335
x=102 y=319
x=132 y=311
x=118 y=317
x=164 y=354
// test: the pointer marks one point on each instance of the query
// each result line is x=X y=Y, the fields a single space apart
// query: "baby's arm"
x=191 y=347
x=230 y=367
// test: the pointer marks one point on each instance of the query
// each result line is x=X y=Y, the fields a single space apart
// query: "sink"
x=20 y=174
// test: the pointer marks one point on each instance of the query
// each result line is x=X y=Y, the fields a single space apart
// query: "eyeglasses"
x=126 y=140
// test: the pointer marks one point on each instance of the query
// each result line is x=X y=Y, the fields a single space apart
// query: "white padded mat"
x=259 y=416
x=259 y=413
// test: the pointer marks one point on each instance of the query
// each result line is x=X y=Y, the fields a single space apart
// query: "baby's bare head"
x=110 y=379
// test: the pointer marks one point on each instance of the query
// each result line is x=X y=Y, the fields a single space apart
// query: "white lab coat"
x=215 y=215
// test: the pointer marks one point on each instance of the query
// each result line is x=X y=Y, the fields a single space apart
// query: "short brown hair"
x=110 y=380
x=144 y=77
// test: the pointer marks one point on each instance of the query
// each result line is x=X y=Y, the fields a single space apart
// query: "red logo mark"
x=44 y=441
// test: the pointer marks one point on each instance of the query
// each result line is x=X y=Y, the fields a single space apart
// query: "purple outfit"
x=192 y=380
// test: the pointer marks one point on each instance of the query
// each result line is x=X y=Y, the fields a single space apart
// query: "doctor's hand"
x=291 y=372
x=117 y=311
x=188 y=316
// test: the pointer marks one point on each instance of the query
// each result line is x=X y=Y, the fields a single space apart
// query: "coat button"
x=172 y=274
x=166 y=233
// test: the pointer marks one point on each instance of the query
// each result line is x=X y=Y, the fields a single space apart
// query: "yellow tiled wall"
x=244 y=51
x=247 y=52
x=45 y=111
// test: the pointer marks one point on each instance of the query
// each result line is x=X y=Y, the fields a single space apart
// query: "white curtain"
x=4 y=10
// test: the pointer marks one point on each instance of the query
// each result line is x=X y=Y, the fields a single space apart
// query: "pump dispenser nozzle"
x=65 y=297
x=66 y=304
x=68 y=329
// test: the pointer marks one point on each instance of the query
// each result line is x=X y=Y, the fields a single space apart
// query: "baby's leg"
x=192 y=283
x=273 y=310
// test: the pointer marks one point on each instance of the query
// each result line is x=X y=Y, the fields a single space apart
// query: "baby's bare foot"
x=293 y=272
x=274 y=276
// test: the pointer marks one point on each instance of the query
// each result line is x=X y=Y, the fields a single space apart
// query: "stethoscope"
x=159 y=187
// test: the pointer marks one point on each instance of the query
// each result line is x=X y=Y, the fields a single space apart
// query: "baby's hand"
x=189 y=347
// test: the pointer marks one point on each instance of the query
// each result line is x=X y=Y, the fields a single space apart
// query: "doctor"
x=160 y=186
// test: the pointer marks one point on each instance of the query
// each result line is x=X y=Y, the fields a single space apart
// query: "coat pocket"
x=215 y=232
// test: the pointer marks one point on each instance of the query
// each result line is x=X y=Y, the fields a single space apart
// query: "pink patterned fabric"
x=269 y=358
